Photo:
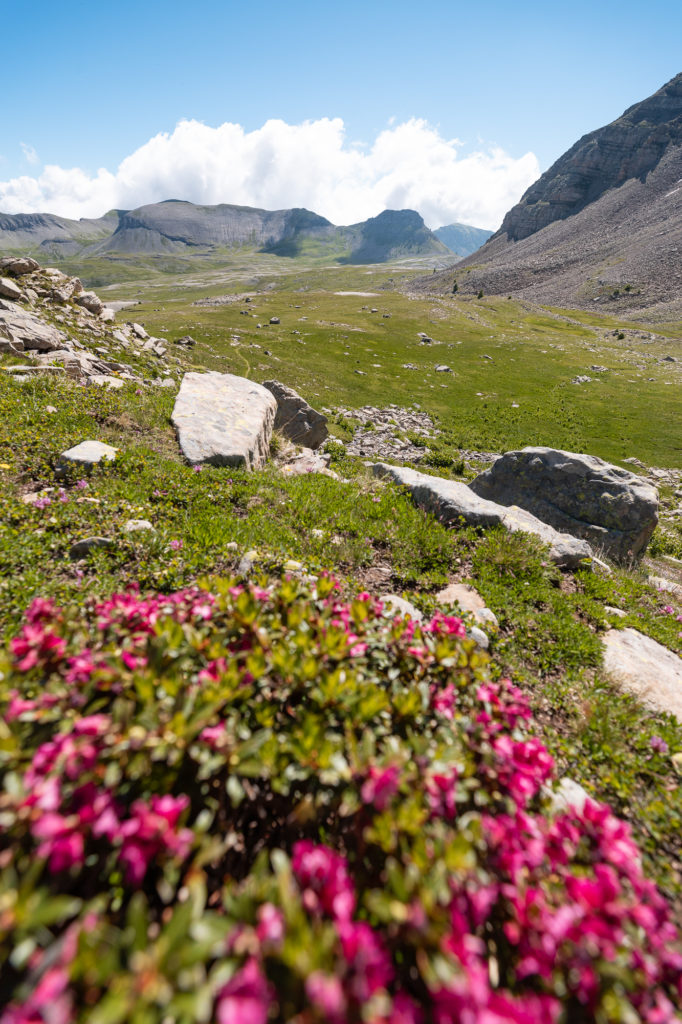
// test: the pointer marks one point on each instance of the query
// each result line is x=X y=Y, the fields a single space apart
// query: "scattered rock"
x=309 y=461
x=581 y=379
x=579 y=494
x=274 y=319
x=10 y=290
x=468 y=600
x=668 y=586
x=297 y=420
x=139 y=331
x=137 y=526
x=481 y=638
x=618 y=612
x=451 y=502
x=32 y=371
x=224 y=419
x=645 y=668
x=103 y=380
x=442 y=368
x=89 y=301
x=568 y=794
x=83 y=547
x=396 y=605
x=88 y=454
x=186 y=340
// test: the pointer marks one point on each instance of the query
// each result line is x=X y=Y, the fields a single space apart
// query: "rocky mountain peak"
x=629 y=147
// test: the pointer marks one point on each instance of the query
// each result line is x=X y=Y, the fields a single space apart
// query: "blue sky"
x=89 y=84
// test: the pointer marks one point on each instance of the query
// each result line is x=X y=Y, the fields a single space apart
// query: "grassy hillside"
x=511 y=384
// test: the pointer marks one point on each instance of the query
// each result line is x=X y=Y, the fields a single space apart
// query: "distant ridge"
x=462 y=239
x=177 y=226
x=602 y=228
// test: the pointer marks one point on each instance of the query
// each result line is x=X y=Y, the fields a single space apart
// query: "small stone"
x=291 y=565
x=137 y=526
x=274 y=319
x=83 y=547
x=103 y=380
x=481 y=638
x=89 y=453
x=568 y=794
x=247 y=562
x=396 y=605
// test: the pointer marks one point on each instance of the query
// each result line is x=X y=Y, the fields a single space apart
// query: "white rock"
x=89 y=453
x=137 y=526
x=568 y=794
x=396 y=605
x=645 y=668
x=103 y=380
x=224 y=419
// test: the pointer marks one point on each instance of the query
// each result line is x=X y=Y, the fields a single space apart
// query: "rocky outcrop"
x=630 y=147
x=582 y=495
x=601 y=229
x=224 y=420
x=453 y=503
x=645 y=668
x=65 y=329
x=298 y=421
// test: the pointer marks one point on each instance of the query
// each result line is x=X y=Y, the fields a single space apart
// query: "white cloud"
x=30 y=155
x=408 y=165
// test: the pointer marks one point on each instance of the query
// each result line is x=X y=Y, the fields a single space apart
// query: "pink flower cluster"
x=66 y=818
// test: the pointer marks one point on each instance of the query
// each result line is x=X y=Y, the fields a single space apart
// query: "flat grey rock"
x=82 y=548
x=645 y=668
x=451 y=502
x=10 y=289
x=297 y=420
x=89 y=453
x=610 y=507
x=224 y=419
x=19 y=325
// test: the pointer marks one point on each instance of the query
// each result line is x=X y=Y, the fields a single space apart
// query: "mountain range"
x=176 y=226
x=601 y=229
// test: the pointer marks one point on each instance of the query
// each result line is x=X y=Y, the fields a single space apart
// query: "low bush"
x=261 y=803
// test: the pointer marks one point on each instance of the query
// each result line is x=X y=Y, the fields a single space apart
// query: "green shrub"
x=246 y=803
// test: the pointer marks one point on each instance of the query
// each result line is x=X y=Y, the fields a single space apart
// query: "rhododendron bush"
x=244 y=804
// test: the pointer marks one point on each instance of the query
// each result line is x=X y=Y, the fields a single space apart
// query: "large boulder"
x=451 y=502
x=297 y=420
x=613 y=509
x=224 y=420
x=17 y=266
